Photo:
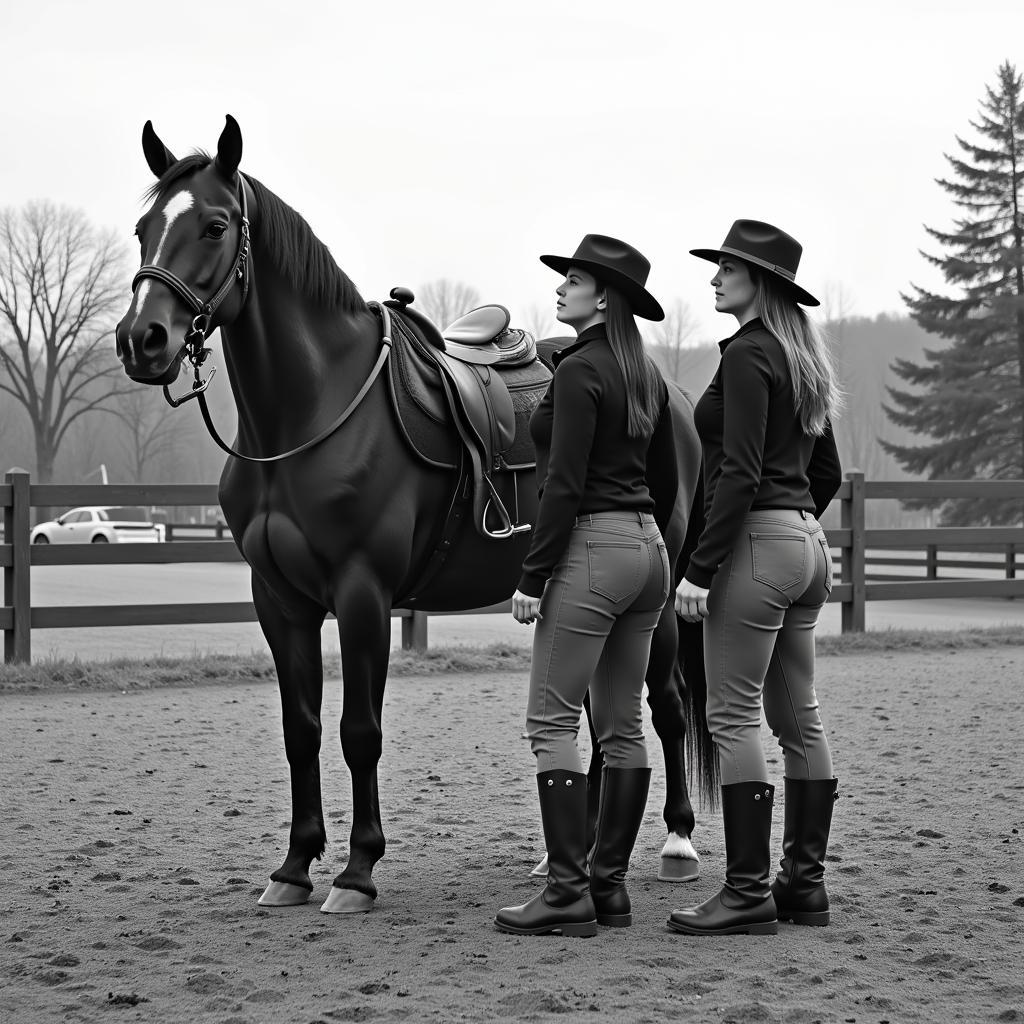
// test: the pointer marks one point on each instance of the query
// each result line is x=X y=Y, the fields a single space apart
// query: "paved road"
x=125 y=584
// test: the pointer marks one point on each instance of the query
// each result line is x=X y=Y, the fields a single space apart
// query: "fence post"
x=414 y=631
x=931 y=561
x=17 y=591
x=853 y=557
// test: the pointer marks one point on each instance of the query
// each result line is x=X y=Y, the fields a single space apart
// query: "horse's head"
x=195 y=242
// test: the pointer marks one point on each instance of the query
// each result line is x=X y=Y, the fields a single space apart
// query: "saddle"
x=484 y=379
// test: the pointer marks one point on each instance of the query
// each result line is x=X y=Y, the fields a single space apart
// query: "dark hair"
x=639 y=374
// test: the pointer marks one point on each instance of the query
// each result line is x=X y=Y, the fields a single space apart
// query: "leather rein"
x=202 y=325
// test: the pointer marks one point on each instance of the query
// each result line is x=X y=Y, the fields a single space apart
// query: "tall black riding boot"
x=623 y=800
x=744 y=906
x=799 y=887
x=564 y=905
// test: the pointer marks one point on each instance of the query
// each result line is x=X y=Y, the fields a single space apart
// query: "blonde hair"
x=817 y=396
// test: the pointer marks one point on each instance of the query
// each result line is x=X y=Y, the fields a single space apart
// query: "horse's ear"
x=158 y=156
x=229 y=148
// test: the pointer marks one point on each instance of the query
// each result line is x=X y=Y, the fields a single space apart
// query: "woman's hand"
x=525 y=609
x=691 y=601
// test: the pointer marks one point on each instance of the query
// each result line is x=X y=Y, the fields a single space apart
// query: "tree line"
x=938 y=393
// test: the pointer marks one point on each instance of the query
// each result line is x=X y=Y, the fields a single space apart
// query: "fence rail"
x=855 y=587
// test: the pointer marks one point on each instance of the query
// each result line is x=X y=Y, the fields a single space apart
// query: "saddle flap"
x=478 y=326
x=486 y=405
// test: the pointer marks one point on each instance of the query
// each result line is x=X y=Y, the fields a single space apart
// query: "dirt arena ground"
x=139 y=829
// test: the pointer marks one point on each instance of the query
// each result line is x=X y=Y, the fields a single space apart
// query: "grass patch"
x=135 y=673
x=458 y=658
x=72 y=675
x=130 y=674
x=896 y=640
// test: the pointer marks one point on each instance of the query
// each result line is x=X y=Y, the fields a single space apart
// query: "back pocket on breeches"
x=614 y=568
x=778 y=559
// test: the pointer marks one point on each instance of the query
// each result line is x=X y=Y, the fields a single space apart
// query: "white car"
x=99 y=524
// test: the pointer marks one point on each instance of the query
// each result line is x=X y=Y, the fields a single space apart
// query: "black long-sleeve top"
x=586 y=462
x=756 y=454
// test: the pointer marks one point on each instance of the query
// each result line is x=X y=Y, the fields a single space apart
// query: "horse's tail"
x=701 y=755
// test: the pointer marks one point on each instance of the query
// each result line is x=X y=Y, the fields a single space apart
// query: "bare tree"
x=443 y=300
x=673 y=337
x=836 y=306
x=541 y=323
x=60 y=284
x=150 y=433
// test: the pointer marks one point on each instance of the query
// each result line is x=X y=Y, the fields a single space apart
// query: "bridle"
x=202 y=321
x=202 y=325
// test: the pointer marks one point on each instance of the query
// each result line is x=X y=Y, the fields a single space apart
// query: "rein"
x=202 y=324
x=382 y=358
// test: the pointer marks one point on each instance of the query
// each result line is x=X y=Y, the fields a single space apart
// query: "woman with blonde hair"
x=759 y=576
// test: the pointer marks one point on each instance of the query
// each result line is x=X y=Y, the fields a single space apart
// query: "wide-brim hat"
x=768 y=247
x=615 y=263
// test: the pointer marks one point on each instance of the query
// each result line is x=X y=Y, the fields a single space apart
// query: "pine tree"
x=968 y=396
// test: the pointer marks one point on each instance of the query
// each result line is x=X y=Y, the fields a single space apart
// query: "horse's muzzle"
x=144 y=353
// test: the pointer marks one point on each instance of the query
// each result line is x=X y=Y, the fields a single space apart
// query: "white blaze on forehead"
x=176 y=206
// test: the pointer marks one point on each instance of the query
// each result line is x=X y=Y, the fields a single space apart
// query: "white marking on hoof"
x=679 y=860
x=541 y=870
x=284 y=894
x=679 y=846
x=347 y=901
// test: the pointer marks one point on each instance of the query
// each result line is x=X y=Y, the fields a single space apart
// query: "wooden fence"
x=853 y=589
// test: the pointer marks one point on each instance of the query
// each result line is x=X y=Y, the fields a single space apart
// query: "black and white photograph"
x=512 y=512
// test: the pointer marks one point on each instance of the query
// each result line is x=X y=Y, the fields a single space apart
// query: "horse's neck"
x=294 y=367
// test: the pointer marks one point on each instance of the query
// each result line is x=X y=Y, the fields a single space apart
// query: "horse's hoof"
x=678 y=869
x=679 y=860
x=541 y=870
x=347 y=901
x=284 y=894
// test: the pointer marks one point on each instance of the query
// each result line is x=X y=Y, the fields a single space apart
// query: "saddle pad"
x=526 y=385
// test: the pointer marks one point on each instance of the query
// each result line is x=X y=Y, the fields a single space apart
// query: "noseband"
x=202 y=321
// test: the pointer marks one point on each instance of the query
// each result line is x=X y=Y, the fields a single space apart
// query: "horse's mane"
x=304 y=261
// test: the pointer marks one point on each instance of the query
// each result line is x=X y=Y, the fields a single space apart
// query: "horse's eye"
x=216 y=231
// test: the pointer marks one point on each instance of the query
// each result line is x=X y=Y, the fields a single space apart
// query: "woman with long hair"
x=595 y=580
x=758 y=578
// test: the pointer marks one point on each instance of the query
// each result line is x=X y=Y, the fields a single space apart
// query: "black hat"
x=617 y=264
x=767 y=246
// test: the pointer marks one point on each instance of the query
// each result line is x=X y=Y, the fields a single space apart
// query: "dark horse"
x=330 y=517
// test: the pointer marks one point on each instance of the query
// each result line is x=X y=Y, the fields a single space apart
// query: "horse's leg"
x=295 y=645
x=679 y=860
x=364 y=623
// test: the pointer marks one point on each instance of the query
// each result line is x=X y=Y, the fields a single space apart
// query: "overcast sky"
x=462 y=138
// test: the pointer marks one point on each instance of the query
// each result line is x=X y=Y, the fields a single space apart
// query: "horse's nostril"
x=154 y=341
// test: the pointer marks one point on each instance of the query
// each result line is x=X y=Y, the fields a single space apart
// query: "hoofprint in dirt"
x=139 y=829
